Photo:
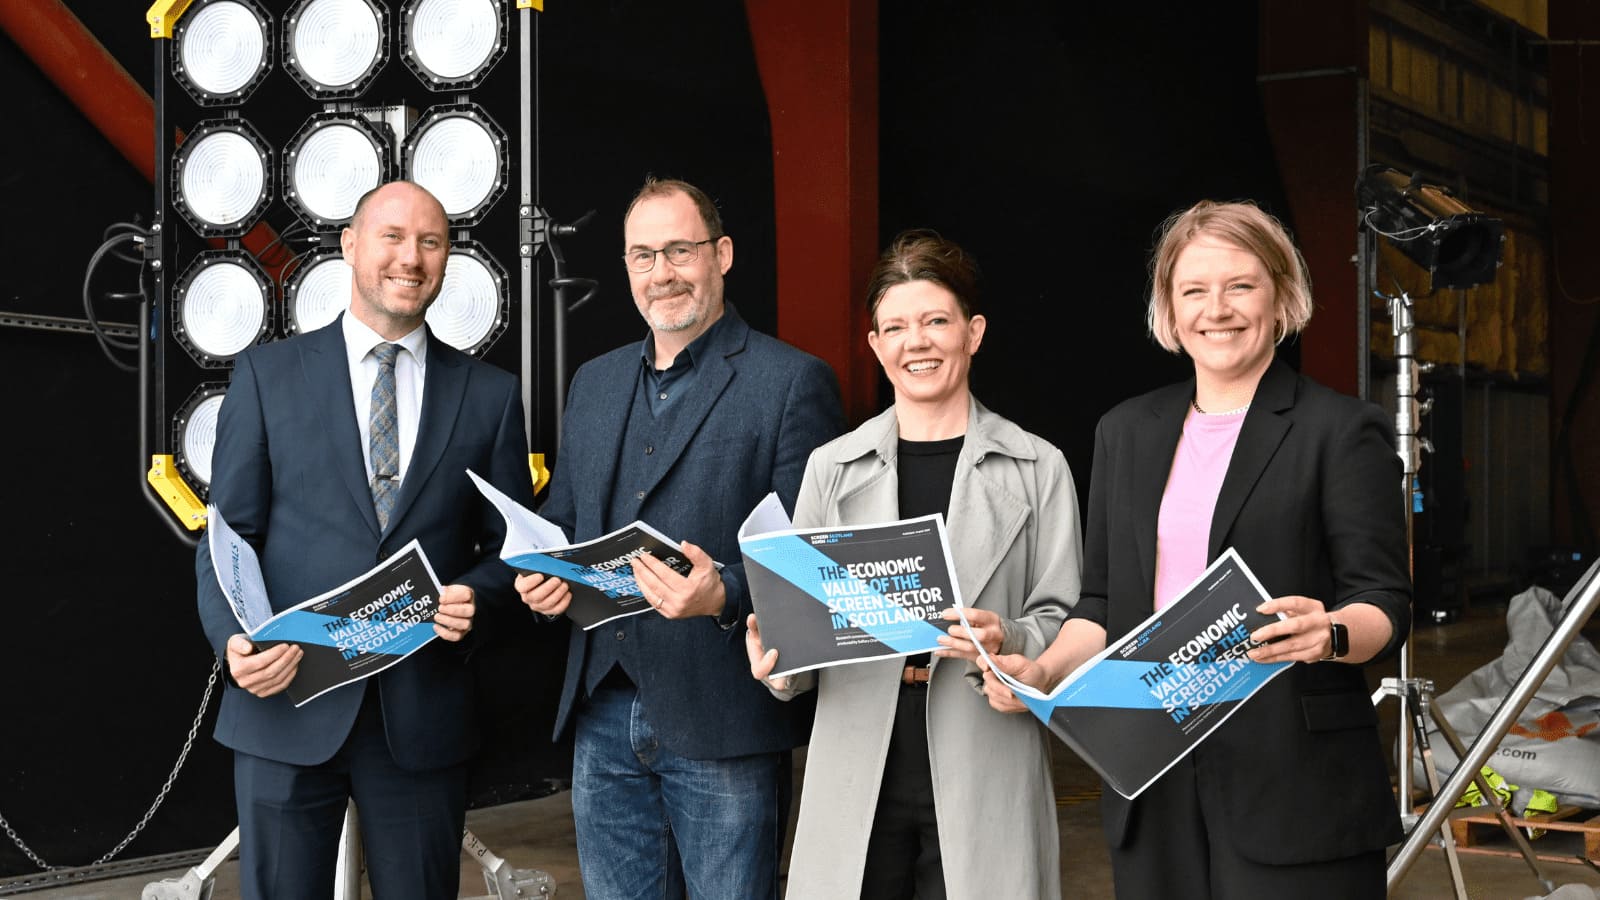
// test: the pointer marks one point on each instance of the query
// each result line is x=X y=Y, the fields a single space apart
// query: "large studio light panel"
x=286 y=114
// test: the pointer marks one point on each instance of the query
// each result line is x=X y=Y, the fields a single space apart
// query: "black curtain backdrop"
x=1048 y=140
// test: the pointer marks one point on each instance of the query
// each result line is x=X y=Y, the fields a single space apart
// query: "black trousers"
x=1176 y=850
x=903 y=853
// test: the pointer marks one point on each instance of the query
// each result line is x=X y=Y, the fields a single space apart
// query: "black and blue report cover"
x=827 y=596
x=1146 y=701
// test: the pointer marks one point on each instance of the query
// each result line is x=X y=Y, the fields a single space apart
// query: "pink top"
x=1184 y=527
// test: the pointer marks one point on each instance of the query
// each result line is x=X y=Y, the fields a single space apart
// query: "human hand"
x=1020 y=668
x=699 y=593
x=762 y=660
x=547 y=596
x=987 y=629
x=1305 y=636
x=262 y=672
x=456 y=609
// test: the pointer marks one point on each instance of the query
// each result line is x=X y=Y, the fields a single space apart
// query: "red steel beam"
x=75 y=60
x=819 y=70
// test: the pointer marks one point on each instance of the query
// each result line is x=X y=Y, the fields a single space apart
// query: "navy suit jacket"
x=1312 y=502
x=757 y=410
x=288 y=475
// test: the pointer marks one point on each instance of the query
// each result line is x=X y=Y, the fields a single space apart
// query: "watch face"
x=1341 y=639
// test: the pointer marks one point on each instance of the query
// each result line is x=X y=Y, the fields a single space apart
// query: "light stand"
x=1459 y=248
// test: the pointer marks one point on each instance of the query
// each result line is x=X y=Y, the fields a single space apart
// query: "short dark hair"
x=921 y=254
x=662 y=187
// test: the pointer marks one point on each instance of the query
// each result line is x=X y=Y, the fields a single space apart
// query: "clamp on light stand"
x=563 y=285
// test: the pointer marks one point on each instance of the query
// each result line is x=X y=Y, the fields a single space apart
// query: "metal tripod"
x=1415 y=695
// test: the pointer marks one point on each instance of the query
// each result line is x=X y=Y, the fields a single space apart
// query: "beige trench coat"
x=1013 y=530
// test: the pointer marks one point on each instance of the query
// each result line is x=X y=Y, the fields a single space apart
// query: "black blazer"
x=1312 y=500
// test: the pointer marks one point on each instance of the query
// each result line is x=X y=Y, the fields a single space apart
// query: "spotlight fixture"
x=452 y=44
x=335 y=48
x=472 y=308
x=224 y=51
x=316 y=291
x=194 y=434
x=458 y=153
x=222 y=177
x=221 y=306
x=329 y=163
x=1458 y=246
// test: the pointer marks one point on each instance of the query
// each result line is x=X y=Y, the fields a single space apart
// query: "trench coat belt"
x=914 y=675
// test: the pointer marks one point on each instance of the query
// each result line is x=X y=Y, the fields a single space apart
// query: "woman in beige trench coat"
x=987 y=821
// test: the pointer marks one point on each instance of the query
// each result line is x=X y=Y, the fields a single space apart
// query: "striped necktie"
x=384 y=440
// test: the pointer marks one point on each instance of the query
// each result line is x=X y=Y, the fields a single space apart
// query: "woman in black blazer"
x=1291 y=795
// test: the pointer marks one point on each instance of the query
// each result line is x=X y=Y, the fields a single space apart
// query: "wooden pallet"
x=1572 y=833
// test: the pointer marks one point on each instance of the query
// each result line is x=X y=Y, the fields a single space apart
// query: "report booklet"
x=1143 y=703
x=846 y=594
x=352 y=632
x=599 y=572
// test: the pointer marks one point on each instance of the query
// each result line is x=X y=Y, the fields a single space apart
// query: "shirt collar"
x=690 y=353
x=359 y=340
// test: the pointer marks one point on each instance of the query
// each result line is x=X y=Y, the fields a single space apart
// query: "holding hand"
x=543 y=595
x=457 y=606
x=1305 y=636
x=1020 y=668
x=699 y=593
x=762 y=660
x=265 y=672
x=987 y=629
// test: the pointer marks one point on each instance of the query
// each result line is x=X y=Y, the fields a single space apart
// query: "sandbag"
x=1555 y=743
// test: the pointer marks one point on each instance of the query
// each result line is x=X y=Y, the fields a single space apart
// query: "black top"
x=927 y=470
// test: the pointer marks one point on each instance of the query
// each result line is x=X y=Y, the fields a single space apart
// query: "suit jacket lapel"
x=1259 y=438
x=444 y=386
x=327 y=373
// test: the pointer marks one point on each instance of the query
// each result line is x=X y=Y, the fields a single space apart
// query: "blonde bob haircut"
x=1244 y=225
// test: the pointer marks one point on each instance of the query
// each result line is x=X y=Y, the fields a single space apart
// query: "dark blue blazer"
x=288 y=475
x=757 y=410
x=1312 y=502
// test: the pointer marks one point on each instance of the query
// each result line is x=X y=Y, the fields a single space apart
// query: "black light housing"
x=222 y=177
x=224 y=51
x=452 y=45
x=1458 y=246
x=194 y=434
x=221 y=305
x=335 y=48
x=316 y=291
x=330 y=163
x=473 y=307
x=458 y=153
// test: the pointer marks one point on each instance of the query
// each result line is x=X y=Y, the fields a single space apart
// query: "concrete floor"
x=538 y=833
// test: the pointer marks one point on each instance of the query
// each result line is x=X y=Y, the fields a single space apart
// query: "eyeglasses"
x=679 y=253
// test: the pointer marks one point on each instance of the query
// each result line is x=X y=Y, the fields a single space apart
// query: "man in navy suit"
x=682 y=766
x=297 y=467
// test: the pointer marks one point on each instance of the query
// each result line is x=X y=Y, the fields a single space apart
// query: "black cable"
x=106 y=341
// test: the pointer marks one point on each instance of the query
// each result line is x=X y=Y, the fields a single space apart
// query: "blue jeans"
x=650 y=822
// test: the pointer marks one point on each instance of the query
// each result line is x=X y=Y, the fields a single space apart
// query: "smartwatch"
x=1339 y=637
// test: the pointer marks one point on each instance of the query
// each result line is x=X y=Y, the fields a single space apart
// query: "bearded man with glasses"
x=682 y=767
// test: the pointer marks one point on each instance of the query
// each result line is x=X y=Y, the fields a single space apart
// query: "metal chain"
x=183 y=755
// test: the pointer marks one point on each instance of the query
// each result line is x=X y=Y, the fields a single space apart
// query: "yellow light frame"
x=540 y=472
x=163 y=16
x=175 y=492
